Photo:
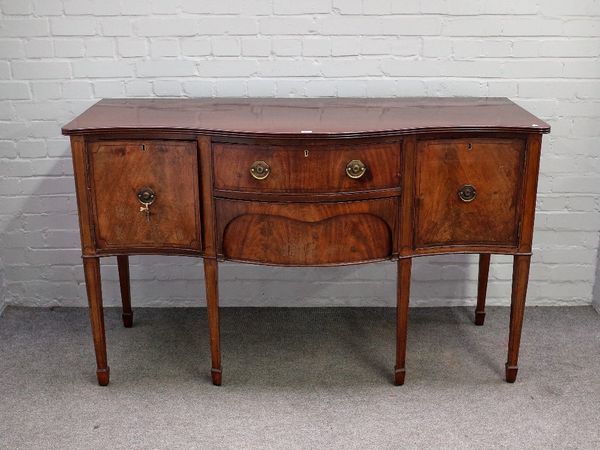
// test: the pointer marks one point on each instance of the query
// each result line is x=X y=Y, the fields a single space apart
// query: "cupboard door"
x=468 y=192
x=146 y=194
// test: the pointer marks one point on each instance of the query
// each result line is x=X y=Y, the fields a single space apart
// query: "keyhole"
x=143 y=147
x=469 y=146
x=306 y=153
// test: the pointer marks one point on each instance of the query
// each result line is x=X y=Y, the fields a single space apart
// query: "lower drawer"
x=307 y=234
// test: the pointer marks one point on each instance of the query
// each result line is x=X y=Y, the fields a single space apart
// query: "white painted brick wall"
x=58 y=57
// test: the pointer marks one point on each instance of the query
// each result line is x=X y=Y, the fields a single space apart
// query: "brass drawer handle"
x=260 y=170
x=146 y=197
x=467 y=193
x=355 y=169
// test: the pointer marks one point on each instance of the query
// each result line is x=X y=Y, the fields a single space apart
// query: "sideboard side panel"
x=532 y=168
x=80 y=169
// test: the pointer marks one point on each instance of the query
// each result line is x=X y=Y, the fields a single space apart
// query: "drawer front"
x=306 y=168
x=145 y=194
x=468 y=191
x=301 y=234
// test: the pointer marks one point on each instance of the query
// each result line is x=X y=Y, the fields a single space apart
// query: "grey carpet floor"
x=299 y=378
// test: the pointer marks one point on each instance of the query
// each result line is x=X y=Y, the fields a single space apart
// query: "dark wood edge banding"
x=391 y=258
x=297 y=197
x=236 y=134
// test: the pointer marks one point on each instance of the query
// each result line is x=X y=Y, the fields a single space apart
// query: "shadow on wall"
x=361 y=285
x=596 y=290
x=2 y=288
x=39 y=234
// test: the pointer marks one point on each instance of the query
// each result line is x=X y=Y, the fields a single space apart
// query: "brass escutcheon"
x=146 y=195
x=260 y=170
x=356 y=169
x=467 y=193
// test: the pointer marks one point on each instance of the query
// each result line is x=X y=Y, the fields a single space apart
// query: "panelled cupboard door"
x=468 y=191
x=146 y=194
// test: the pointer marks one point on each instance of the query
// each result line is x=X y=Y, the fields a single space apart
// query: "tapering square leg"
x=123 y=265
x=517 y=310
x=402 y=297
x=482 y=282
x=212 y=304
x=91 y=268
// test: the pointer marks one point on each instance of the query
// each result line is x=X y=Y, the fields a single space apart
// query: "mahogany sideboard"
x=306 y=182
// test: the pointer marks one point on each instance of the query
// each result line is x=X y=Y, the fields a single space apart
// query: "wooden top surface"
x=306 y=117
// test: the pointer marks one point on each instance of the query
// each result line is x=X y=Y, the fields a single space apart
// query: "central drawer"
x=307 y=234
x=306 y=167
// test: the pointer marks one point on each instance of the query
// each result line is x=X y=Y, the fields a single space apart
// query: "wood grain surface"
x=494 y=167
x=170 y=169
x=306 y=168
x=307 y=234
x=337 y=117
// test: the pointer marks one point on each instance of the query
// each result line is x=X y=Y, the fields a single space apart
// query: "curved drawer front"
x=468 y=192
x=306 y=168
x=306 y=234
x=146 y=194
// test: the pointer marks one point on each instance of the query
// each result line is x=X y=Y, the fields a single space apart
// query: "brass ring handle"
x=467 y=193
x=355 y=169
x=260 y=170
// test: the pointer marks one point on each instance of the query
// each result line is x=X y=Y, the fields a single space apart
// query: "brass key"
x=146 y=209
x=146 y=197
